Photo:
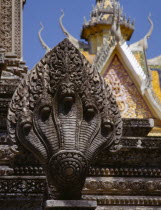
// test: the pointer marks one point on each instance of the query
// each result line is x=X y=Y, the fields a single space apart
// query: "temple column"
x=11 y=12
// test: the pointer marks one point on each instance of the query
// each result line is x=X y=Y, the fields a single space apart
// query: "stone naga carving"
x=65 y=114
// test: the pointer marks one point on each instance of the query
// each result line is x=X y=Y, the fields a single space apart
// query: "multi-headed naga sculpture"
x=65 y=114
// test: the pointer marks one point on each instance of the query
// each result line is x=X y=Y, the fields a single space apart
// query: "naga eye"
x=90 y=111
x=26 y=128
x=72 y=87
x=62 y=87
x=107 y=127
x=45 y=112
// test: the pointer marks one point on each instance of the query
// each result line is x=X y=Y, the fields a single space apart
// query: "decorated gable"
x=130 y=101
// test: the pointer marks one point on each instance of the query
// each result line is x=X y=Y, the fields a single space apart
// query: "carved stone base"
x=128 y=208
x=70 y=204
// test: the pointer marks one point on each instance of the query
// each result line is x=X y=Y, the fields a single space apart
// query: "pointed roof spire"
x=102 y=16
x=115 y=28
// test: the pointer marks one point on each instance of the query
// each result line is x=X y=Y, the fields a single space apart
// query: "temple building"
x=130 y=176
x=135 y=80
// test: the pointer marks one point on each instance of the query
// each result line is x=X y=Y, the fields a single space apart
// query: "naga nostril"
x=26 y=128
x=45 y=112
x=91 y=110
x=107 y=127
x=69 y=91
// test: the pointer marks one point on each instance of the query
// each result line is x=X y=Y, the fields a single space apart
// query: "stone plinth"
x=70 y=204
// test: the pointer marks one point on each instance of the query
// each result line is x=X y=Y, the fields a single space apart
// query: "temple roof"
x=155 y=61
x=138 y=75
x=102 y=17
x=107 y=31
x=155 y=67
x=143 y=43
x=139 y=49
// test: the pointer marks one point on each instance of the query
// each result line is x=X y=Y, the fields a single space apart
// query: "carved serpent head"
x=67 y=93
x=65 y=114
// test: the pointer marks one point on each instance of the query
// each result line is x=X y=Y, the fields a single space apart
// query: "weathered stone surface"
x=11 y=26
x=64 y=114
x=137 y=127
x=128 y=208
x=126 y=180
x=70 y=204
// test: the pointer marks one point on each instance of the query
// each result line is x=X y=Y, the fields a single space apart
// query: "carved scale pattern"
x=98 y=172
x=64 y=112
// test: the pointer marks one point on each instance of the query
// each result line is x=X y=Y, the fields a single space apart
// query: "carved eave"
x=98 y=27
x=127 y=30
x=134 y=69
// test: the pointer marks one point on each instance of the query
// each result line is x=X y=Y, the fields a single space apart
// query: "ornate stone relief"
x=23 y=185
x=6 y=24
x=2 y=58
x=118 y=91
x=17 y=28
x=10 y=17
x=125 y=200
x=97 y=171
x=122 y=186
x=94 y=186
x=64 y=114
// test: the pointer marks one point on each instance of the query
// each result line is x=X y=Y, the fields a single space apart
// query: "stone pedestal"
x=70 y=204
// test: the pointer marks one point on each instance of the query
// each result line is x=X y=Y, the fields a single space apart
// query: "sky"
x=48 y=12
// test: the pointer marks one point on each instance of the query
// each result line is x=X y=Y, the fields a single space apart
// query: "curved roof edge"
x=156 y=61
x=78 y=44
x=44 y=45
x=143 y=43
x=142 y=80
